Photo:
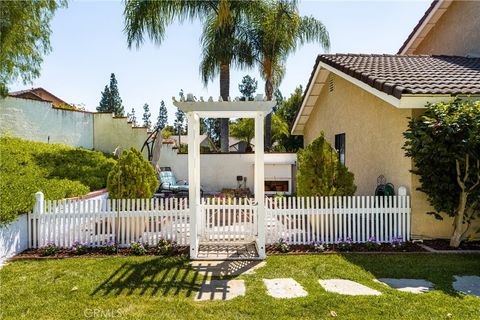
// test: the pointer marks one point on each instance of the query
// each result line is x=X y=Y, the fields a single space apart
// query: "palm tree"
x=277 y=30
x=224 y=46
x=221 y=47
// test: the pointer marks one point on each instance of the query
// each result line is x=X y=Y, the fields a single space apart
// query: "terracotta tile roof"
x=398 y=74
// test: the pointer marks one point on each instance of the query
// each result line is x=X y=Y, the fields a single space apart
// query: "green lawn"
x=156 y=288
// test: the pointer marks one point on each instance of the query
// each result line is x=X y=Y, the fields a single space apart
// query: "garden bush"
x=132 y=177
x=320 y=172
x=444 y=144
x=58 y=171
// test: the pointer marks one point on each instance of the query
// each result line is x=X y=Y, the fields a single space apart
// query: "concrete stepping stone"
x=468 y=285
x=347 y=287
x=284 y=288
x=408 y=285
x=221 y=290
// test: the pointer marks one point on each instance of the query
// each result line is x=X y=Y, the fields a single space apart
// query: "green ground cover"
x=58 y=171
x=164 y=288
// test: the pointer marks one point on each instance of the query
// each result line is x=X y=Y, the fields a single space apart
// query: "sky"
x=89 y=44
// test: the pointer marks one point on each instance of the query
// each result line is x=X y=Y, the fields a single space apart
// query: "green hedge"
x=58 y=171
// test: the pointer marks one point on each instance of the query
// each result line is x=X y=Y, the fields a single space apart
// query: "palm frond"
x=313 y=30
x=150 y=18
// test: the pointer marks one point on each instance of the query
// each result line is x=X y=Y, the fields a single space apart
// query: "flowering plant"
x=79 y=247
x=138 y=248
x=372 y=243
x=165 y=247
x=397 y=243
x=344 y=244
x=110 y=247
x=49 y=249
x=282 y=245
x=319 y=246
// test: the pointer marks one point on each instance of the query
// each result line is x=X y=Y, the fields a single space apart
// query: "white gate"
x=228 y=220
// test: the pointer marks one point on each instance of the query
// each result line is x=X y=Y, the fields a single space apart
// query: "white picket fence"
x=98 y=222
x=228 y=220
x=330 y=219
x=295 y=219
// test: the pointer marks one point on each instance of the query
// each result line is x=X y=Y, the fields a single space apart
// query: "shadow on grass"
x=174 y=276
x=436 y=268
x=164 y=276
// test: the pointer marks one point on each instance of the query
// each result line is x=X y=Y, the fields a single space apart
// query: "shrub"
x=320 y=172
x=132 y=177
x=165 y=247
x=344 y=244
x=79 y=248
x=444 y=144
x=397 y=243
x=58 y=171
x=110 y=247
x=282 y=246
x=372 y=244
x=50 y=249
x=319 y=246
x=138 y=248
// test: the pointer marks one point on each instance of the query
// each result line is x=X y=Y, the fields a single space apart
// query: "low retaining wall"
x=13 y=238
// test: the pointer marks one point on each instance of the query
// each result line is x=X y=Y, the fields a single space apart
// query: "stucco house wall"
x=110 y=132
x=373 y=132
x=38 y=121
x=457 y=32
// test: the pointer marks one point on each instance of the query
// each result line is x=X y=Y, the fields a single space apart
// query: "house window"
x=340 y=147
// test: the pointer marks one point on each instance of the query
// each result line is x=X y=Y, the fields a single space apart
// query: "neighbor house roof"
x=426 y=23
x=403 y=81
x=41 y=94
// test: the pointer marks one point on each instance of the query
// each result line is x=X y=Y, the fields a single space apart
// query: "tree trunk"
x=224 y=92
x=268 y=118
x=458 y=221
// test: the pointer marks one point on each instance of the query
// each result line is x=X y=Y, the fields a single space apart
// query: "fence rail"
x=295 y=219
x=330 y=219
x=97 y=222
x=227 y=220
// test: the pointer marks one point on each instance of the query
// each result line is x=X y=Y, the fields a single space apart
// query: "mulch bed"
x=306 y=249
x=91 y=253
x=438 y=244
x=443 y=244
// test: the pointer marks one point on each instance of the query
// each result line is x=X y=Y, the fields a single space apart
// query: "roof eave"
x=433 y=13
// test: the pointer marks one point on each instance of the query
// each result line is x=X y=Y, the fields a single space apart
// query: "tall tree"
x=277 y=30
x=162 y=116
x=132 y=117
x=244 y=129
x=220 y=40
x=247 y=88
x=287 y=111
x=24 y=39
x=179 y=123
x=111 y=101
x=146 y=116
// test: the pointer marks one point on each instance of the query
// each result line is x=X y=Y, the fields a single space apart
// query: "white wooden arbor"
x=224 y=109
